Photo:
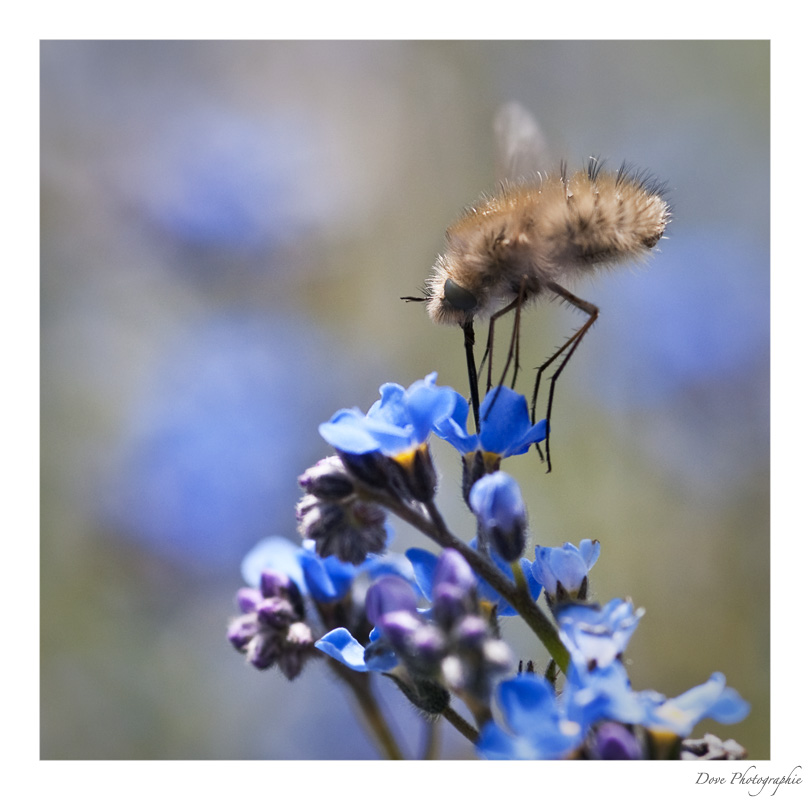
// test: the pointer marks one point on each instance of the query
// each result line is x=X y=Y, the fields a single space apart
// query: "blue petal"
x=536 y=433
x=531 y=710
x=730 y=707
x=376 y=566
x=328 y=579
x=497 y=745
x=589 y=549
x=275 y=553
x=390 y=439
x=453 y=429
x=346 y=431
x=710 y=699
x=526 y=700
x=379 y=656
x=428 y=405
x=506 y=422
x=599 y=635
x=343 y=647
x=424 y=567
x=391 y=407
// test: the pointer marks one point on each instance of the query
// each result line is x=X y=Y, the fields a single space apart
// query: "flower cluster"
x=430 y=620
x=331 y=514
x=451 y=646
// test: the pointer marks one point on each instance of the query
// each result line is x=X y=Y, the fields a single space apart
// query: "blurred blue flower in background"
x=714 y=289
x=216 y=177
x=205 y=462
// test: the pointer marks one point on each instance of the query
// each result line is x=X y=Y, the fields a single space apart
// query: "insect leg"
x=514 y=342
x=570 y=346
x=472 y=373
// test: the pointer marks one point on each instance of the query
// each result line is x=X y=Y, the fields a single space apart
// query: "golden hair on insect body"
x=542 y=232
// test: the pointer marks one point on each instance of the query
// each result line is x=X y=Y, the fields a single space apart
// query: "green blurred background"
x=226 y=230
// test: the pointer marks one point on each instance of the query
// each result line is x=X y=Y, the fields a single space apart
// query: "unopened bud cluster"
x=335 y=518
x=271 y=629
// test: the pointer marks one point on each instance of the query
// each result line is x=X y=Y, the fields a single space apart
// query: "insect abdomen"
x=604 y=219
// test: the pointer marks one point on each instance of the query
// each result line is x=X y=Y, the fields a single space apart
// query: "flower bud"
x=276 y=612
x=327 y=480
x=387 y=595
x=497 y=503
x=349 y=529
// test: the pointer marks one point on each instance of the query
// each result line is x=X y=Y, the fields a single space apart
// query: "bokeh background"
x=226 y=230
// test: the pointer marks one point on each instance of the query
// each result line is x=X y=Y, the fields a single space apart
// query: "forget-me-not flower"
x=537 y=723
x=506 y=430
x=387 y=447
x=399 y=422
x=598 y=635
x=563 y=571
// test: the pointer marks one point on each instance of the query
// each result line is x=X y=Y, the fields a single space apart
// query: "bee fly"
x=536 y=233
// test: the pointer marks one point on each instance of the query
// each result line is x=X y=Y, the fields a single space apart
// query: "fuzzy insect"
x=525 y=241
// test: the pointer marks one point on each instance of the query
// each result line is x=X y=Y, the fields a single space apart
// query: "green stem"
x=460 y=724
x=359 y=683
x=517 y=596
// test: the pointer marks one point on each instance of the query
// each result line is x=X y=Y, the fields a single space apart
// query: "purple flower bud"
x=497 y=503
x=471 y=632
x=263 y=651
x=450 y=603
x=388 y=594
x=242 y=630
x=428 y=644
x=274 y=584
x=399 y=627
x=452 y=568
x=277 y=584
x=247 y=599
x=614 y=742
x=272 y=630
x=276 y=612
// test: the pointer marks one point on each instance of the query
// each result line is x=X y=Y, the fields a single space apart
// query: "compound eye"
x=457 y=297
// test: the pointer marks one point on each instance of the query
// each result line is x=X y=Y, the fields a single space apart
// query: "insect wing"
x=521 y=147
